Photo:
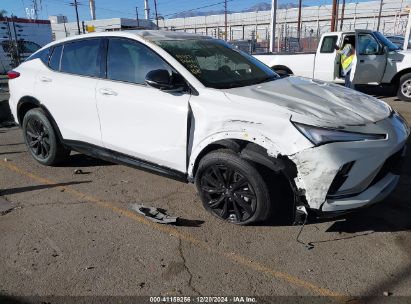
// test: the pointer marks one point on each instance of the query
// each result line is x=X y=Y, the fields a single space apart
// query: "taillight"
x=12 y=74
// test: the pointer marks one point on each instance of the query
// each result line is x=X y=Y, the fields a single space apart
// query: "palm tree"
x=3 y=13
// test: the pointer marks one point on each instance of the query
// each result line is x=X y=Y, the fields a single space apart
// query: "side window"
x=328 y=45
x=368 y=45
x=131 y=61
x=54 y=62
x=81 y=57
x=43 y=55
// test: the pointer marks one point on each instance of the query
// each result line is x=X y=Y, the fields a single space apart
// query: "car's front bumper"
x=372 y=176
x=372 y=195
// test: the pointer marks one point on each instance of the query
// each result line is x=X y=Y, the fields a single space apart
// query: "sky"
x=127 y=8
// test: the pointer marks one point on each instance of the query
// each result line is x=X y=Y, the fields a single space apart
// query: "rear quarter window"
x=54 y=62
x=43 y=55
x=328 y=44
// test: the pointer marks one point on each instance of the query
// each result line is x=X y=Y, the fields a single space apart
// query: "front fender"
x=248 y=135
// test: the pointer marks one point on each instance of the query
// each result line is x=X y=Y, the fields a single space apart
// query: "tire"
x=41 y=139
x=404 y=88
x=232 y=189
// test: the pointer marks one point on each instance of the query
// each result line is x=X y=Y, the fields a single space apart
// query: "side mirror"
x=161 y=79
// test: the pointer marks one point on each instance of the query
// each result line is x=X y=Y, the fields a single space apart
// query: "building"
x=37 y=31
x=62 y=29
x=315 y=21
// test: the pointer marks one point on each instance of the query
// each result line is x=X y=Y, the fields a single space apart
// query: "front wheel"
x=232 y=189
x=404 y=87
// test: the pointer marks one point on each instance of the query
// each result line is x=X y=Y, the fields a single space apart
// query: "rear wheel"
x=232 y=189
x=41 y=139
x=404 y=87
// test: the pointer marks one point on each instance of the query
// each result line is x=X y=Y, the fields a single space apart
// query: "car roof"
x=149 y=35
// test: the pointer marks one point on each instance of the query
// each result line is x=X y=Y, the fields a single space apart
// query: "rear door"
x=326 y=61
x=371 y=59
x=67 y=88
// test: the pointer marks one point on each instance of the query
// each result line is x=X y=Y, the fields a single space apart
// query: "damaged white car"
x=197 y=110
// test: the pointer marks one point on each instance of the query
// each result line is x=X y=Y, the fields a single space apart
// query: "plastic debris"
x=154 y=214
x=387 y=293
x=78 y=171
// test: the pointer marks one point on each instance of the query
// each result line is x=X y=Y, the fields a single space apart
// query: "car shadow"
x=12 y=152
x=378 y=91
x=11 y=191
x=82 y=160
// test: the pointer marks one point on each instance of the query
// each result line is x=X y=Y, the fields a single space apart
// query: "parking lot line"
x=239 y=259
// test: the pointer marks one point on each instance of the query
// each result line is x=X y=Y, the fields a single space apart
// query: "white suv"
x=197 y=110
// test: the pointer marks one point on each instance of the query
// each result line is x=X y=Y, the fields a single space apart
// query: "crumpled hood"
x=323 y=101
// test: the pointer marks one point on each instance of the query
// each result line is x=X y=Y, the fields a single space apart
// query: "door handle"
x=45 y=79
x=107 y=92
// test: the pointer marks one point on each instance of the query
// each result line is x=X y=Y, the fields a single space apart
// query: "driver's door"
x=371 y=58
x=136 y=119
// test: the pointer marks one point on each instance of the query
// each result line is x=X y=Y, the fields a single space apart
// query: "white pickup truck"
x=379 y=61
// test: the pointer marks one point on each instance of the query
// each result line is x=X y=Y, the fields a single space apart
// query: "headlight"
x=320 y=136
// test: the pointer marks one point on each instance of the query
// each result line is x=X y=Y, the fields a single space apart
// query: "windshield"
x=216 y=64
x=391 y=46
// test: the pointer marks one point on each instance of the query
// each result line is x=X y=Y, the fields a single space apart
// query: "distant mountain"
x=262 y=6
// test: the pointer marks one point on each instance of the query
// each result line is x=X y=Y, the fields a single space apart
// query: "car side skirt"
x=124 y=159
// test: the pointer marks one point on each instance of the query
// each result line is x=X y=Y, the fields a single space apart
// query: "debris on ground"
x=6 y=159
x=387 y=293
x=78 y=171
x=6 y=206
x=89 y=267
x=154 y=214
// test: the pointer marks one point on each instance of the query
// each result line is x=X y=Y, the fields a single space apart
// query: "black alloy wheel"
x=229 y=194
x=38 y=139
x=41 y=139
x=231 y=188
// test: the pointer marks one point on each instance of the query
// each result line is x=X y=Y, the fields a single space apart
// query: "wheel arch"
x=396 y=79
x=27 y=103
x=250 y=151
x=284 y=169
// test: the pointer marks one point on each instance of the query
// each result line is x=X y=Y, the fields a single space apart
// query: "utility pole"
x=333 y=15
x=138 y=21
x=225 y=20
x=299 y=23
x=146 y=10
x=342 y=15
x=407 y=32
x=379 y=15
x=155 y=8
x=273 y=24
x=75 y=4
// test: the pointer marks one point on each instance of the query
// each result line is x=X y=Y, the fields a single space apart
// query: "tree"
x=3 y=13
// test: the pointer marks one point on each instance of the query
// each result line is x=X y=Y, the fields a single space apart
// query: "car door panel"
x=371 y=60
x=136 y=119
x=70 y=98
